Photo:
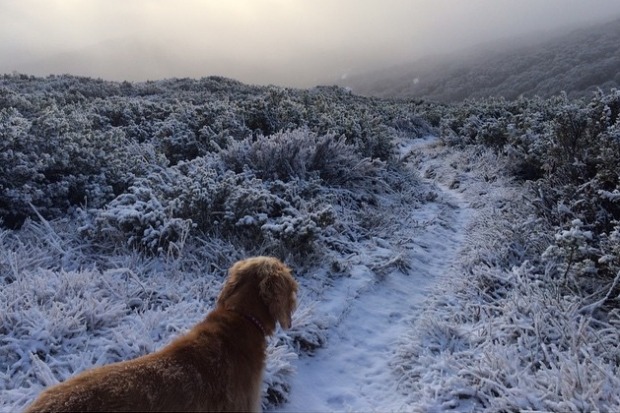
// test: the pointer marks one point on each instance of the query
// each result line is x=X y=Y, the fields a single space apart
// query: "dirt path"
x=353 y=371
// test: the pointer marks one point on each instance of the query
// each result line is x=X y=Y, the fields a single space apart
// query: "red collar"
x=252 y=320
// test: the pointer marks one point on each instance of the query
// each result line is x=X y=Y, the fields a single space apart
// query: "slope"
x=577 y=63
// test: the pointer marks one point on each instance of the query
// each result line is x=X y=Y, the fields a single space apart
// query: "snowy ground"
x=371 y=312
x=436 y=311
x=358 y=315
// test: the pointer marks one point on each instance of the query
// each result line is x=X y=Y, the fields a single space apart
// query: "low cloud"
x=285 y=42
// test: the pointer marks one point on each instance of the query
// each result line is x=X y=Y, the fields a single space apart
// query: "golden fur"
x=216 y=366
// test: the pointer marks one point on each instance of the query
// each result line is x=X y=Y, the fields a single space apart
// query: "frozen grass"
x=57 y=319
x=506 y=336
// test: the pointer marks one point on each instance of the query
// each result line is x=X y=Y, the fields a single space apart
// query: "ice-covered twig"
x=591 y=307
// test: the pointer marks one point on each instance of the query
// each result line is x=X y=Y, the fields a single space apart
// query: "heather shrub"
x=250 y=210
x=57 y=160
x=302 y=154
x=273 y=111
x=142 y=219
x=158 y=212
x=70 y=141
x=567 y=153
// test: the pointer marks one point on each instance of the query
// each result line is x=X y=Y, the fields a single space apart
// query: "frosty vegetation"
x=533 y=325
x=123 y=204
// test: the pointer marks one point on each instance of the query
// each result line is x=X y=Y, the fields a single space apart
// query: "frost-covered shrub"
x=374 y=139
x=176 y=136
x=275 y=111
x=574 y=253
x=242 y=204
x=609 y=260
x=269 y=213
x=140 y=219
x=580 y=187
x=284 y=156
x=568 y=153
x=56 y=160
x=143 y=216
x=447 y=134
x=218 y=121
x=571 y=135
x=302 y=154
x=12 y=99
x=487 y=122
x=70 y=141
x=158 y=211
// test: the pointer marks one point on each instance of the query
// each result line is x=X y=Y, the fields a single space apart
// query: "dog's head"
x=269 y=279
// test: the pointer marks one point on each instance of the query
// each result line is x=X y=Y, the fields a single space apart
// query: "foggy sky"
x=283 y=42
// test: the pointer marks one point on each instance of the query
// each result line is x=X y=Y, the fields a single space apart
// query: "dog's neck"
x=252 y=320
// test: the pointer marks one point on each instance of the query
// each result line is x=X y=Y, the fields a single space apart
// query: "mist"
x=284 y=42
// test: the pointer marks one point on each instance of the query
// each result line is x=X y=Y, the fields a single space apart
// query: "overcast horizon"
x=283 y=42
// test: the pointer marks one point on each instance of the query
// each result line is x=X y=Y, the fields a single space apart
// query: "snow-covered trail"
x=356 y=370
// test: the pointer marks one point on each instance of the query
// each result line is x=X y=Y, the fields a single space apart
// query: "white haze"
x=283 y=42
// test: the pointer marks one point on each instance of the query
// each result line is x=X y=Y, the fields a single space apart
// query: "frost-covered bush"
x=56 y=160
x=158 y=212
x=275 y=111
x=574 y=253
x=567 y=152
x=273 y=194
x=69 y=141
x=252 y=211
x=140 y=219
x=582 y=184
x=302 y=154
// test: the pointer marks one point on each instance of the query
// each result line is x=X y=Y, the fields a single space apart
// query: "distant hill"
x=576 y=63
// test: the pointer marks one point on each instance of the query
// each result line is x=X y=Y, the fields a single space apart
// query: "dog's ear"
x=278 y=290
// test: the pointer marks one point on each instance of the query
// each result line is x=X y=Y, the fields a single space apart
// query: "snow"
x=370 y=314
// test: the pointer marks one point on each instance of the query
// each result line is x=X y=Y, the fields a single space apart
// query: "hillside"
x=459 y=257
x=576 y=63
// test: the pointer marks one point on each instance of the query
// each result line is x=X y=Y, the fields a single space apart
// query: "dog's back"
x=155 y=382
x=217 y=366
x=193 y=373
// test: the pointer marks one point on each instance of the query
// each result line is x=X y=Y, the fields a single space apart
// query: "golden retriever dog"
x=217 y=366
